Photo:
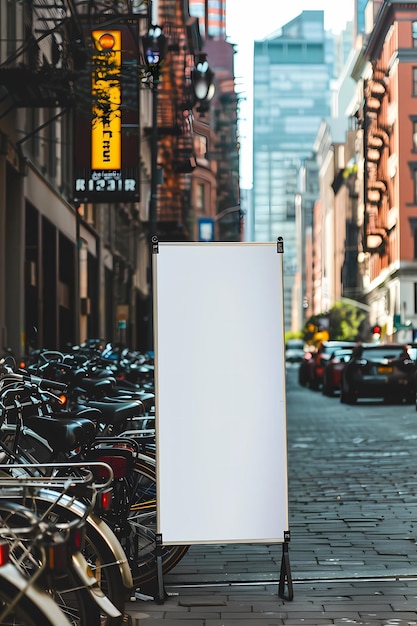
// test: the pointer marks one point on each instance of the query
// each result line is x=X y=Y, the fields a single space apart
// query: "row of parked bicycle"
x=77 y=486
x=361 y=370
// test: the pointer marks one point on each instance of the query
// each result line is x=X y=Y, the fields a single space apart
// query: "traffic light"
x=376 y=330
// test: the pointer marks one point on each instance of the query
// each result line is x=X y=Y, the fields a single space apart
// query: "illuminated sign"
x=106 y=123
x=106 y=141
x=205 y=229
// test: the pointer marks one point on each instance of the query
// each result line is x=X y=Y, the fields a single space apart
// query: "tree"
x=344 y=322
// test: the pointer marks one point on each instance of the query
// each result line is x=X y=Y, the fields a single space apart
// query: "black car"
x=385 y=371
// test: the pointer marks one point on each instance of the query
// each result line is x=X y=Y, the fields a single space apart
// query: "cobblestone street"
x=353 y=512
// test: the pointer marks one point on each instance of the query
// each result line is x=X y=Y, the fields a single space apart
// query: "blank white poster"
x=220 y=393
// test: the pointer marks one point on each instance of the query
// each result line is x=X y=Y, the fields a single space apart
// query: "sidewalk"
x=353 y=521
x=199 y=594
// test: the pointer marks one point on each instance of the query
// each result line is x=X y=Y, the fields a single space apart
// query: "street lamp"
x=155 y=47
x=202 y=82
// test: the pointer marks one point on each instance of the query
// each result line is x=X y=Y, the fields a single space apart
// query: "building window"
x=34 y=140
x=414 y=34
x=414 y=171
x=413 y=227
x=199 y=197
x=414 y=136
x=413 y=174
x=11 y=28
x=200 y=146
x=414 y=186
x=415 y=240
x=414 y=81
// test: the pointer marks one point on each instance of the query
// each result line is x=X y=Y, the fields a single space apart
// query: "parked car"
x=294 y=351
x=332 y=375
x=385 y=371
x=316 y=365
x=303 y=372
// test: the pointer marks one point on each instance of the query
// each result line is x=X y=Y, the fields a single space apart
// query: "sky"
x=246 y=23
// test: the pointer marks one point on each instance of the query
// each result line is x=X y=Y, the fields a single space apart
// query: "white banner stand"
x=221 y=436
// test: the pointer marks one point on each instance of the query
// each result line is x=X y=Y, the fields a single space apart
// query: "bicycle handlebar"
x=42 y=383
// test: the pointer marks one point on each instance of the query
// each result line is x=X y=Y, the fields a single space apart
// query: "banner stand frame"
x=160 y=597
x=202 y=290
x=285 y=579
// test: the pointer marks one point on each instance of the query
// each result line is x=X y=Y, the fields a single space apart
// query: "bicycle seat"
x=147 y=399
x=96 y=386
x=63 y=433
x=117 y=412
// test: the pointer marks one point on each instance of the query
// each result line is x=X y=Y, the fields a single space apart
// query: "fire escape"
x=175 y=130
x=228 y=163
x=377 y=148
x=43 y=70
x=40 y=72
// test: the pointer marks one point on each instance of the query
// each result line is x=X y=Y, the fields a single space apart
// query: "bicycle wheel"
x=142 y=521
x=99 y=550
x=106 y=570
x=74 y=600
x=65 y=588
x=34 y=608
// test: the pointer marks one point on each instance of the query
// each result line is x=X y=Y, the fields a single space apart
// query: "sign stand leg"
x=285 y=573
x=160 y=598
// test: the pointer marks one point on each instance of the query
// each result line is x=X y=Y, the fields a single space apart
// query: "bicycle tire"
x=99 y=555
x=142 y=519
x=34 y=608
x=73 y=599
x=107 y=573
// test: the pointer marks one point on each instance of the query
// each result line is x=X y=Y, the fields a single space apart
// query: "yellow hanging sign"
x=106 y=125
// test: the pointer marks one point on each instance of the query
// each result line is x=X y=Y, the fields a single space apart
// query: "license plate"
x=384 y=369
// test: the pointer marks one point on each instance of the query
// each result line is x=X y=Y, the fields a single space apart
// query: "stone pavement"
x=378 y=601
x=353 y=512
x=365 y=602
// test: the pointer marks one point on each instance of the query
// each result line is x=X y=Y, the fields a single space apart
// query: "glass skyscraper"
x=292 y=72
